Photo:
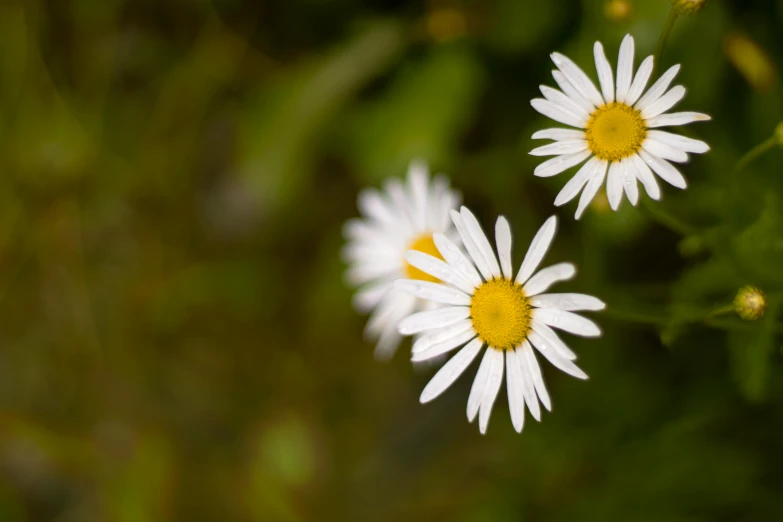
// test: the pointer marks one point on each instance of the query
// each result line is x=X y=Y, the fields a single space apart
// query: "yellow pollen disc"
x=500 y=313
x=423 y=243
x=615 y=131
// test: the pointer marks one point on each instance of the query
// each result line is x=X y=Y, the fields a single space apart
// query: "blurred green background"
x=177 y=342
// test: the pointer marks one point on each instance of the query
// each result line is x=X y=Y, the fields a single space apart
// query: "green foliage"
x=176 y=338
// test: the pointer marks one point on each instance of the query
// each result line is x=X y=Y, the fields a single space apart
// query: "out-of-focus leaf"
x=760 y=246
x=750 y=355
x=285 y=119
x=420 y=115
x=507 y=17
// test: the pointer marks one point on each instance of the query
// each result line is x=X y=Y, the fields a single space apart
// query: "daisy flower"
x=402 y=217
x=485 y=305
x=617 y=129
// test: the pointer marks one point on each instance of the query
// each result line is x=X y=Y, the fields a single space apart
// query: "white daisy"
x=616 y=129
x=402 y=217
x=487 y=305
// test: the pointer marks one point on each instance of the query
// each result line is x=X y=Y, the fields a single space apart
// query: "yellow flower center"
x=615 y=131
x=423 y=243
x=500 y=313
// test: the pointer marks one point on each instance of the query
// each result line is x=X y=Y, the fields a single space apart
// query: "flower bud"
x=750 y=303
x=687 y=6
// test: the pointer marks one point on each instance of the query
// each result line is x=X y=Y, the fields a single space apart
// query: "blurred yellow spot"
x=500 y=313
x=423 y=243
x=446 y=23
x=617 y=10
x=615 y=131
x=752 y=62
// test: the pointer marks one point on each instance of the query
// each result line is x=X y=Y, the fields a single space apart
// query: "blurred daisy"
x=487 y=306
x=616 y=129
x=402 y=217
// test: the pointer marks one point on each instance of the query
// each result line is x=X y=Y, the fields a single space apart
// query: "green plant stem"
x=673 y=223
x=755 y=152
x=665 y=36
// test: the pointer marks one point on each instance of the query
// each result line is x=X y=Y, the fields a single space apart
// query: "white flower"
x=402 y=217
x=486 y=305
x=616 y=129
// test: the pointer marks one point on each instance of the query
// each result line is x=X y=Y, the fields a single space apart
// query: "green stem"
x=665 y=36
x=755 y=152
x=673 y=223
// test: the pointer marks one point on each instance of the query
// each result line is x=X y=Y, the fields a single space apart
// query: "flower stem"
x=673 y=223
x=755 y=152
x=665 y=36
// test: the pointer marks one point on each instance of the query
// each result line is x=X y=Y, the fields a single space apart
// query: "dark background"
x=177 y=342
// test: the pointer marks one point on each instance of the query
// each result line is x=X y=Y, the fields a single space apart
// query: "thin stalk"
x=665 y=36
x=755 y=152
x=673 y=223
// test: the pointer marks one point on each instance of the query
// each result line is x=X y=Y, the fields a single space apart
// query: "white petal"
x=591 y=189
x=563 y=365
x=657 y=148
x=430 y=319
x=664 y=103
x=677 y=118
x=625 y=68
x=548 y=276
x=557 y=113
x=480 y=238
x=503 y=242
x=605 y=76
x=418 y=184
x=567 y=321
x=664 y=169
x=639 y=81
x=479 y=384
x=645 y=175
x=387 y=343
x=374 y=206
x=439 y=269
x=538 y=380
x=578 y=79
x=440 y=335
x=514 y=385
x=658 y=88
x=433 y=292
x=614 y=185
x=443 y=347
x=578 y=181
x=456 y=259
x=569 y=302
x=629 y=180
x=492 y=388
x=450 y=371
x=570 y=91
x=680 y=142
x=537 y=249
x=559 y=134
x=544 y=338
x=554 y=166
x=528 y=387
x=561 y=100
x=471 y=246
x=368 y=296
x=559 y=148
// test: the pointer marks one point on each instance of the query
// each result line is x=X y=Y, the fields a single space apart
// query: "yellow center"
x=423 y=243
x=615 y=131
x=500 y=313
